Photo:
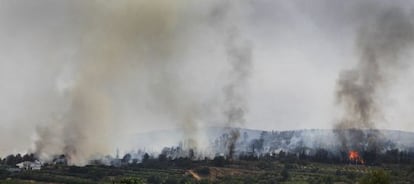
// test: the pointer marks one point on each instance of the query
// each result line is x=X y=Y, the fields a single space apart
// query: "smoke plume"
x=138 y=47
x=380 y=43
x=235 y=105
x=238 y=50
x=240 y=58
x=116 y=39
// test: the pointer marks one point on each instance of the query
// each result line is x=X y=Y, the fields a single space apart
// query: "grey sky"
x=172 y=66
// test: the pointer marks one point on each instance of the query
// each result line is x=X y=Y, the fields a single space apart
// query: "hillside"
x=282 y=140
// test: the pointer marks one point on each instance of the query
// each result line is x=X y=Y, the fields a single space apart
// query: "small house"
x=27 y=165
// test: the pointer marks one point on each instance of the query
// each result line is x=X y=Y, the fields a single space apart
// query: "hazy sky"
x=150 y=65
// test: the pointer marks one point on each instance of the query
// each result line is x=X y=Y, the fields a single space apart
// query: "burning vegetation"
x=380 y=43
x=354 y=157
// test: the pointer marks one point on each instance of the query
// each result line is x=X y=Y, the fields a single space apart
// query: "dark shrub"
x=203 y=171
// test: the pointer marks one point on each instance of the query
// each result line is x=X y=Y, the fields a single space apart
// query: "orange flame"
x=354 y=157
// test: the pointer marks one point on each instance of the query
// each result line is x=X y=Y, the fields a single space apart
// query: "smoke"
x=239 y=57
x=137 y=47
x=116 y=39
x=83 y=77
x=380 y=43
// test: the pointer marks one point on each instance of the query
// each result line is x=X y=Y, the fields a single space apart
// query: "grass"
x=236 y=172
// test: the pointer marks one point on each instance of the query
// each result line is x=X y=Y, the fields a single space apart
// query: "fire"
x=355 y=157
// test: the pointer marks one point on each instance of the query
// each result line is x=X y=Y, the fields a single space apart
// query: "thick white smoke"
x=126 y=64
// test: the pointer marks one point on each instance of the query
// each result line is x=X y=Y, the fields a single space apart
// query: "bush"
x=285 y=174
x=204 y=181
x=265 y=165
x=376 y=177
x=218 y=161
x=203 y=171
x=155 y=179
x=4 y=173
x=172 y=180
x=328 y=180
x=132 y=181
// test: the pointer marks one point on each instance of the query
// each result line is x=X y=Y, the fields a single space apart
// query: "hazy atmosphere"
x=80 y=73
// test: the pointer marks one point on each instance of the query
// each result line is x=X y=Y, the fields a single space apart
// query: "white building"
x=26 y=165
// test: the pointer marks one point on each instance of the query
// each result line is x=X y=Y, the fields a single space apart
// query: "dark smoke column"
x=225 y=17
x=239 y=54
x=380 y=43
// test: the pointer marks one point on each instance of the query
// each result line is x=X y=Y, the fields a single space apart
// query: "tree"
x=257 y=145
x=162 y=157
x=321 y=155
x=18 y=158
x=145 y=158
x=245 y=137
x=218 y=161
x=11 y=160
x=127 y=157
x=282 y=154
x=191 y=154
x=29 y=157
